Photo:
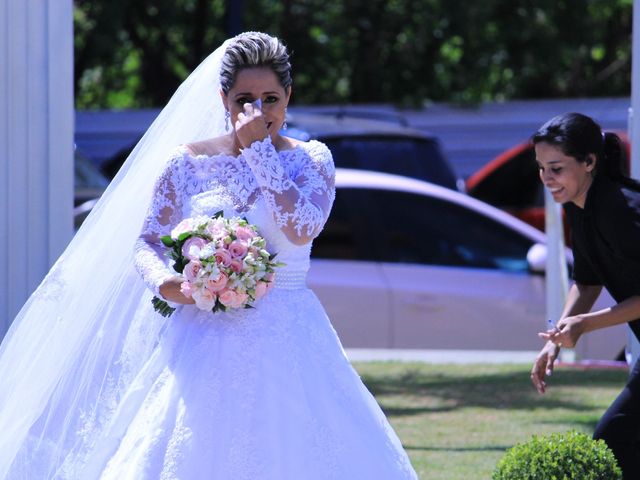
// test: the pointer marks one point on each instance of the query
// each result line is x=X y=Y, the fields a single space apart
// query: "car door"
x=458 y=279
x=347 y=277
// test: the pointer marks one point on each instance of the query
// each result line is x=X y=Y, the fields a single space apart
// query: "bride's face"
x=259 y=83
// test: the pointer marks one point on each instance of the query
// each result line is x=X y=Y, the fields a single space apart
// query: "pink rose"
x=218 y=284
x=223 y=257
x=184 y=226
x=187 y=289
x=237 y=249
x=244 y=233
x=191 y=270
x=205 y=300
x=215 y=228
x=232 y=299
x=261 y=289
x=191 y=248
x=236 y=265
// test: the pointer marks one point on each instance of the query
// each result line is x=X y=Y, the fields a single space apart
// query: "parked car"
x=367 y=142
x=403 y=263
x=89 y=184
x=511 y=182
x=381 y=112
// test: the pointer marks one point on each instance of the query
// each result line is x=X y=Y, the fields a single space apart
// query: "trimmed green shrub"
x=560 y=456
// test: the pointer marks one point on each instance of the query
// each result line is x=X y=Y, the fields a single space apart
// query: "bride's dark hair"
x=254 y=49
x=579 y=136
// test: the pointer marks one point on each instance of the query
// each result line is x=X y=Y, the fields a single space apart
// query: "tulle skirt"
x=257 y=394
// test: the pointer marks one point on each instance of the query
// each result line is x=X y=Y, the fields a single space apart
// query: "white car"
x=404 y=263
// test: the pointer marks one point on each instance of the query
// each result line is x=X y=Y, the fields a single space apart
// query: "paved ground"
x=469 y=356
x=440 y=356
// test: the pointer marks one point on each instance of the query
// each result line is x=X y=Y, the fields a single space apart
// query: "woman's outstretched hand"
x=251 y=126
x=566 y=333
x=543 y=366
x=170 y=290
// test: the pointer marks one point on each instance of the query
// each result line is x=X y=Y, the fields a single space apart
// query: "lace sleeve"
x=165 y=211
x=300 y=201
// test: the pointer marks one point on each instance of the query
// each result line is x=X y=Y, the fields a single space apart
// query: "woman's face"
x=567 y=179
x=258 y=83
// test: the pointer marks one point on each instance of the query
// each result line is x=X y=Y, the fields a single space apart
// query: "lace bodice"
x=287 y=194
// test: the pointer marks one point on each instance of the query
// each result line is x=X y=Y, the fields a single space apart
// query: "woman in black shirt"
x=583 y=168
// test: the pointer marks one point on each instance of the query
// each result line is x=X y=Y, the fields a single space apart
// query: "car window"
x=86 y=175
x=346 y=235
x=515 y=184
x=412 y=157
x=409 y=228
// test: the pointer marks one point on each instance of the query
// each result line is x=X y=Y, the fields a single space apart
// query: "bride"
x=95 y=384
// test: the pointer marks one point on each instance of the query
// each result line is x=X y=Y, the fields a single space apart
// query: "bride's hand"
x=170 y=290
x=251 y=126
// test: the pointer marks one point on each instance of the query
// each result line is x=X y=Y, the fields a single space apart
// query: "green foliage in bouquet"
x=162 y=307
x=175 y=250
x=560 y=456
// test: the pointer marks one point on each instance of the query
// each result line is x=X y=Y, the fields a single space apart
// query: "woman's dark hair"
x=255 y=49
x=578 y=136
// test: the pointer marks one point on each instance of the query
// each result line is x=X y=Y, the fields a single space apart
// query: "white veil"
x=78 y=342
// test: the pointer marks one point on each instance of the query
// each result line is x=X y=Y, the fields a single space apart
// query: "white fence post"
x=633 y=346
x=557 y=281
x=36 y=144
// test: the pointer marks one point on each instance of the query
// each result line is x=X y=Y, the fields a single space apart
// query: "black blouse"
x=606 y=240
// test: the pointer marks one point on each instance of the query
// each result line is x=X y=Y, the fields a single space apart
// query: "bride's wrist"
x=255 y=143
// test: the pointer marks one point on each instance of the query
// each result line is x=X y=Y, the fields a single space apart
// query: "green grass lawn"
x=456 y=421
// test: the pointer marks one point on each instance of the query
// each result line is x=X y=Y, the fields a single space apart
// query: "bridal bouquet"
x=223 y=262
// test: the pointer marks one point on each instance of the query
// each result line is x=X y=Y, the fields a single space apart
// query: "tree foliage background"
x=405 y=52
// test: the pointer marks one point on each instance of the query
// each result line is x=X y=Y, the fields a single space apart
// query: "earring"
x=284 y=125
x=227 y=117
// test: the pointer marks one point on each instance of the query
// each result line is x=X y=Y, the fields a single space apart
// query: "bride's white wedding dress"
x=257 y=394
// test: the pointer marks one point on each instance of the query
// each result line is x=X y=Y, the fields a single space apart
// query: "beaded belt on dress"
x=291 y=279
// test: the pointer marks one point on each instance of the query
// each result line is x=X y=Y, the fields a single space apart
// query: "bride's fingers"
x=249 y=114
x=251 y=110
x=244 y=118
